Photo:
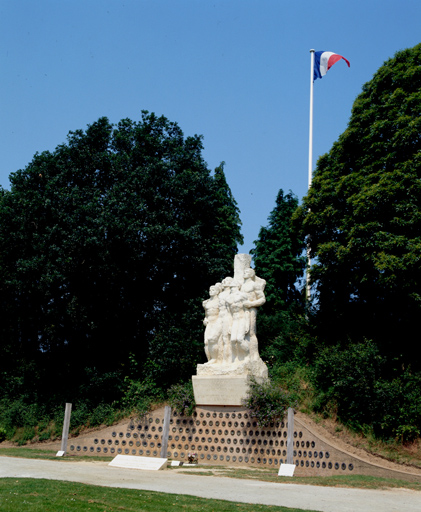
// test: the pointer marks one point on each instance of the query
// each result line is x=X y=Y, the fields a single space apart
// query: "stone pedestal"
x=219 y=389
x=226 y=384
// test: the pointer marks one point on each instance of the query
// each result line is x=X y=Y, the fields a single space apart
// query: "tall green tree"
x=227 y=216
x=107 y=247
x=363 y=215
x=278 y=258
x=278 y=254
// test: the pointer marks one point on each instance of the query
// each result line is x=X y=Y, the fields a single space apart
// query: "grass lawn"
x=28 y=494
x=269 y=475
x=39 y=453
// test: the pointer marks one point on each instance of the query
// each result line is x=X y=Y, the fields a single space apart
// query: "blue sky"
x=235 y=71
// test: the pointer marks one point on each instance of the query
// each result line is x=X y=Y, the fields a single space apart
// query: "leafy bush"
x=367 y=393
x=289 y=336
x=2 y=434
x=181 y=398
x=46 y=435
x=347 y=377
x=85 y=414
x=103 y=414
x=267 y=402
x=140 y=395
x=17 y=413
x=80 y=415
x=24 y=435
x=297 y=380
x=98 y=387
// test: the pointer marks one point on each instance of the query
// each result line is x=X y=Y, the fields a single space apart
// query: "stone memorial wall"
x=226 y=436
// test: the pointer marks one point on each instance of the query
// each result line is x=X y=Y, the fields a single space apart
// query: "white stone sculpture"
x=253 y=287
x=212 y=323
x=230 y=337
x=239 y=323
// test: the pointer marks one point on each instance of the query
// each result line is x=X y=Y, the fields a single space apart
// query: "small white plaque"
x=134 y=462
x=60 y=453
x=286 y=470
x=176 y=463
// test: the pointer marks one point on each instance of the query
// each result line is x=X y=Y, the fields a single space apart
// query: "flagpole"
x=310 y=142
x=310 y=167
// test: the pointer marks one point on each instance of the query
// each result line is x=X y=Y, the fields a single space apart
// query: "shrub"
x=17 y=413
x=45 y=435
x=80 y=415
x=289 y=337
x=181 y=398
x=347 y=377
x=101 y=415
x=267 y=402
x=24 y=435
x=367 y=393
x=140 y=395
x=293 y=377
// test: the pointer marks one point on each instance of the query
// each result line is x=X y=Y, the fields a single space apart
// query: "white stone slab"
x=286 y=470
x=176 y=463
x=134 y=462
x=60 y=453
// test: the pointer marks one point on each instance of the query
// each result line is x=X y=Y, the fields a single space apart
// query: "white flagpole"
x=310 y=142
x=310 y=167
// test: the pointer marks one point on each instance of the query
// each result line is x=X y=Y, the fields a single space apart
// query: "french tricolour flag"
x=323 y=61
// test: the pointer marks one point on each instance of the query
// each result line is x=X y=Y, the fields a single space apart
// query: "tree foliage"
x=277 y=258
x=277 y=254
x=363 y=216
x=353 y=380
x=107 y=246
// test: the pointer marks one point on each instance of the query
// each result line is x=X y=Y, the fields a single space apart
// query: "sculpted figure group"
x=230 y=334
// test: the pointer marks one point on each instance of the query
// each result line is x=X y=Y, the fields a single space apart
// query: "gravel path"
x=307 y=497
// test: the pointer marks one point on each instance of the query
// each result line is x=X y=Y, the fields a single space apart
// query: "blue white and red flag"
x=323 y=61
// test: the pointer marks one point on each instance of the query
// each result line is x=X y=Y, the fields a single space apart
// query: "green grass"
x=28 y=494
x=38 y=453
x=270 y=475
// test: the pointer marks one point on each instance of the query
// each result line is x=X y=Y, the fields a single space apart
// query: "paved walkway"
x=307 y=497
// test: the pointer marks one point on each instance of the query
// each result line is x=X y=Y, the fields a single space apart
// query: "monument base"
x=220 y=389
x=257 y=368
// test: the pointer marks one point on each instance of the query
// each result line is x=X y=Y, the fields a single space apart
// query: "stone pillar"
x=66 y=425
x=290 y=438
x=166 y=432
x=241 y=263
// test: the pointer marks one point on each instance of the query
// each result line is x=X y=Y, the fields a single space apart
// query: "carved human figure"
x=230 y=319
x=253 y=287
x=240 y=323
x=213 y=323
x=225 y=352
